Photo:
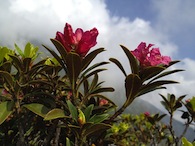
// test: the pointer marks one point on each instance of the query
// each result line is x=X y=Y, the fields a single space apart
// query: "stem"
x=21 y=141
x=57 y=135
x=171 y=129
x=121 y=110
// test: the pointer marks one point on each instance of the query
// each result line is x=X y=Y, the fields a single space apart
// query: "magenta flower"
x=80 y=41
x=149 y=57
x=147 y=114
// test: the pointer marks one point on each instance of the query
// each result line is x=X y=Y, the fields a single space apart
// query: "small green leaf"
x=98 y=118
x=37 y=108
x=185 y=142
x=55 y=114
x=6 y=109
x=56 y=57
x=73 y=110
x=20 y=52
x=88 y=111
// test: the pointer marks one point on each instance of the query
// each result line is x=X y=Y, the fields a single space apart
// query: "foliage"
x=60 y=100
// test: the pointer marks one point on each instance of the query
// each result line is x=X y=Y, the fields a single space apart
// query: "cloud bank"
x=38 y=20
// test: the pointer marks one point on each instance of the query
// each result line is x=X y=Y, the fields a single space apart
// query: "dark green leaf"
x=119 y=65
x=73 y=62
x=56 y=57
x=89 y=58
x=132 y=86
x=60 y=48
x=27 y=64
x=150 y=72
x=17 y=63
x=93 y=67
x=166 y=73
x=94 y=82
x=132 y=60
x=95 y=128
x=8 y=79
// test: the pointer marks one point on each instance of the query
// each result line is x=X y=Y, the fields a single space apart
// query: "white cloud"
x=38 y=20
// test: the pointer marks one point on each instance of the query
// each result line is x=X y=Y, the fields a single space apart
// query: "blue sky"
x=169 y=24
x=175 y=18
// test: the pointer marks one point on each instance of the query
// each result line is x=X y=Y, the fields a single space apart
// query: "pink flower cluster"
x=80 y=41
x=149 y=57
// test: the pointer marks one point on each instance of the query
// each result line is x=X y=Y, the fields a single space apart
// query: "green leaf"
x=20 y=52
x=96 y=128
x=6 y=109
x=73 y=62
x=98 y=118
x=55 y=114
x=17 y=62
x=56 y=57
x=8 y=79
x=93 y=67
x=88 y=111
x=89 y=58
x=132 y=86
x=68 y=142
x=166 y=73
x=185 y=142
x=3 y=53
x=132 y=60
x=94 y=82
x=37 y=108
x=26 y=63
x=154 y=86
x=104 y=89
x=72 y=110
x=60 y=48
x=119 y=65
x=27 y=50
x=150 y=72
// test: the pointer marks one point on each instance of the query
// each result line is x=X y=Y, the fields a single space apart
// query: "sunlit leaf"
x=55 y=114
x=37 y=108
x=6 y=109
x=56 y=57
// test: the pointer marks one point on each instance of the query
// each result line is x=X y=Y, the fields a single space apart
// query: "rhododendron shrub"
x=60 y=100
